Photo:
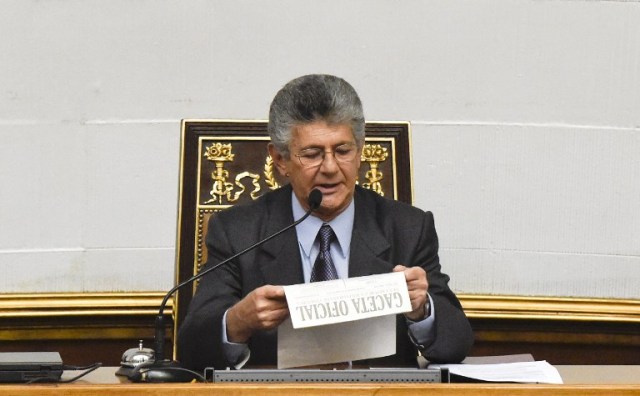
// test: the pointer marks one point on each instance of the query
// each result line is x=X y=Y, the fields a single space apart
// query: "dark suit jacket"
x=385 y=233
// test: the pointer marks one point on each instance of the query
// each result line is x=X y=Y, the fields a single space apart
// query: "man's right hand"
x=262 y=309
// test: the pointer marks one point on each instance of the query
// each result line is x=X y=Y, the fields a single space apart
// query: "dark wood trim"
x=84 y=327
x=559 y=341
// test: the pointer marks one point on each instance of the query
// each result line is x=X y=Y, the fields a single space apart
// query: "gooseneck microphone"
x=164 y=370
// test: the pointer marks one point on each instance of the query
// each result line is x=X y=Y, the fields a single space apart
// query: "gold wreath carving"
x=268 y=174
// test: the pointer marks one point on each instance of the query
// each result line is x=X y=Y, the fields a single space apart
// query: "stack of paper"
x=524 y=372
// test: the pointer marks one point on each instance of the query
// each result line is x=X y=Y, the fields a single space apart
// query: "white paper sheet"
x=341 y=342
x=523 y=372
x=344 y=300
x=342 y=320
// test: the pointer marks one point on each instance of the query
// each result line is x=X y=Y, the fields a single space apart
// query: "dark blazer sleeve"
x=453 y=334
x=200 y=335
x=276 y=262
x=388 y=233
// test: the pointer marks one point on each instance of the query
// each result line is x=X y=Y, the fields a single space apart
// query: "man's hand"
x=417 y=285
x=262 y=309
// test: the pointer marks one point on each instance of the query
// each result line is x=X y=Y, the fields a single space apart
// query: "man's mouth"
x=327 y=188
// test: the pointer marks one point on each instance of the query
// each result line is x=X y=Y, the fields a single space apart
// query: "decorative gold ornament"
x=268 y=174
x=373 y=154
x=219 y=153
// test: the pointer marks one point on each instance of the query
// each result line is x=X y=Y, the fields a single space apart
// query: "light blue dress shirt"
x=307 y=232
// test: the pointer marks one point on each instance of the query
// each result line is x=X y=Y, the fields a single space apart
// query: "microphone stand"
x=165 y=370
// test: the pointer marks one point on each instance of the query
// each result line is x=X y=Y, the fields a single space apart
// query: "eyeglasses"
x=313 y=157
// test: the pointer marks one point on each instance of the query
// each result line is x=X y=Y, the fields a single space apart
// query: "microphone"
x=164 y=370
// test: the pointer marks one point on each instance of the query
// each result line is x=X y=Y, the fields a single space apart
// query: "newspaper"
x=344 y=300
x=342 y=320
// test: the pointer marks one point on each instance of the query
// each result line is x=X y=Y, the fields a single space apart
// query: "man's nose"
x=329 y=162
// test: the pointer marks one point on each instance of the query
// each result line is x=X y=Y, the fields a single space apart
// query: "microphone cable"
x=87 y=369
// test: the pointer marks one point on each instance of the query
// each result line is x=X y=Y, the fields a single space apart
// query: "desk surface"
x=579 y=380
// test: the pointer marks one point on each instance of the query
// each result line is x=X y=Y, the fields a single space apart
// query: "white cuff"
x=236 y=353
x=422 y=333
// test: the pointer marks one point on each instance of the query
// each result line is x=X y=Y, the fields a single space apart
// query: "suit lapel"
x=280 y=260
x=368 y=243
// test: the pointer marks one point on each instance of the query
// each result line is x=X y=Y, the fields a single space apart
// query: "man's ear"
x=278 y=159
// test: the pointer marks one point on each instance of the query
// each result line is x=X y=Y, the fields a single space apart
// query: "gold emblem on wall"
x=219 y=153
x=373 y=154
x=228 y=190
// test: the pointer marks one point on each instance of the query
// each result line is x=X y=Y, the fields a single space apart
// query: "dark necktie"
x=323 y=268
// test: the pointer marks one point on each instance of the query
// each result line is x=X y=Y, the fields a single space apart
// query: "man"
x=316 y=126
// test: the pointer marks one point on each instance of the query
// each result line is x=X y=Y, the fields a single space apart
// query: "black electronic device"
x=30 y=366
x=404 y=375
x=163 y=370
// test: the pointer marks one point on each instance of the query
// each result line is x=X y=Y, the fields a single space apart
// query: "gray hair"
x=311 y=98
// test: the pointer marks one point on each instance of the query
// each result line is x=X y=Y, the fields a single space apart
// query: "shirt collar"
x=308 y=230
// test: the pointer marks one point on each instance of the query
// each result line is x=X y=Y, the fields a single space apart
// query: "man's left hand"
x=417 y=284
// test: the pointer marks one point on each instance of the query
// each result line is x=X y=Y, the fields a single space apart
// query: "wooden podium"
x=579 y=380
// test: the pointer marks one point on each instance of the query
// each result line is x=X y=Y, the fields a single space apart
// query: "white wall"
x=525 y=115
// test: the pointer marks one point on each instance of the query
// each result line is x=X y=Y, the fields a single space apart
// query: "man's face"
x=335 y=178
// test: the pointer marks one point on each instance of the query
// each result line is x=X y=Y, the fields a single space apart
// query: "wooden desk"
x=579 y=380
